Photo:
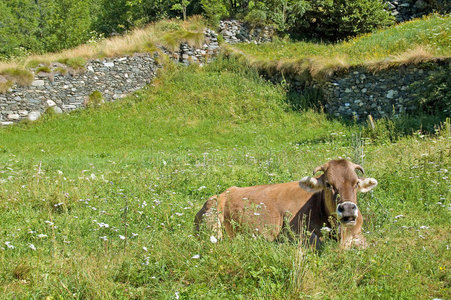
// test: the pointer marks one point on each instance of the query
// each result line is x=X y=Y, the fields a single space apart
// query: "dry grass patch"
x=19 y=76
x=415 y=56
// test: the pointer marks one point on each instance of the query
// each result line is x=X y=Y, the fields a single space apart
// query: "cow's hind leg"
x=209 y=216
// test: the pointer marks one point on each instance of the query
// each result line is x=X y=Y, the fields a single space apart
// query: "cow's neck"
x=327 y=210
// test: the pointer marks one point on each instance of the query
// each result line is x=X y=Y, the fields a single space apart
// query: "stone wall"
x=64 y=89
x=405 y=10
x=235 y=31
x=359 y=92
x=114 y=78
x=389 y=92
x=188 y=54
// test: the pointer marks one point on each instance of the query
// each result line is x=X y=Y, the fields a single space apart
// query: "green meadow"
x=99 y=203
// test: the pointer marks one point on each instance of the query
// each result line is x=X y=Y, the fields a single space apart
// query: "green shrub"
x=74 y=62
x=60 y=70
x=256 y=17
x=168 y=25
x=44 y=69
x=214 y=11
x=436 y=99
x=95 y=100
x=340 y=19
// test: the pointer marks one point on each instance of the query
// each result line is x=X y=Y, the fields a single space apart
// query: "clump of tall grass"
x=19 y=76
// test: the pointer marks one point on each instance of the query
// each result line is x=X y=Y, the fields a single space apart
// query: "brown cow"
x=312 y=204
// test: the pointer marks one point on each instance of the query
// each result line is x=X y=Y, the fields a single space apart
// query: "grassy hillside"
x=100 y=203
x=409 y=42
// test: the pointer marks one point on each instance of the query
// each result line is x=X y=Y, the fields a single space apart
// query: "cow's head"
x=340 y=184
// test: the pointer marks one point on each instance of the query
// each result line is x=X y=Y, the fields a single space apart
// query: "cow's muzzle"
x=347 y=213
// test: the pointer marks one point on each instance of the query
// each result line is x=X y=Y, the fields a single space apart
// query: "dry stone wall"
x=234 y=31
x=114 y=78
x=387 y=93
x=405 y=10
x=359 y=92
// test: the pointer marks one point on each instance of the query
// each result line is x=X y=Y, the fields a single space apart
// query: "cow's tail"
x=210 y=216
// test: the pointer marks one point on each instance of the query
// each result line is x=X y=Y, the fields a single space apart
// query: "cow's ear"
x=311 y=184
x=366 y=185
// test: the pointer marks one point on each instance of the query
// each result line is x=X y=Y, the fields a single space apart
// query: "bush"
x=256 y=18
x=94 y=100
x=437 y=97
x=339 y=19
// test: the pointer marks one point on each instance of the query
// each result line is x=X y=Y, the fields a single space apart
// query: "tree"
x=181 y=7
x=340 y=19
x=285 y=13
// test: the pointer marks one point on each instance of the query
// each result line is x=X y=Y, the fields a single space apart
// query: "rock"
x=14 y=117
x=390 y=94
x=23 y=113
x=50 y=103
x=57 y=110
x=7 y=123
x=38 y=83
x=108 y=64
x=34 y=115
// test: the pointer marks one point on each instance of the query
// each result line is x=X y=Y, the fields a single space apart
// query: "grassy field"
x=410 y=42
x=100 y=203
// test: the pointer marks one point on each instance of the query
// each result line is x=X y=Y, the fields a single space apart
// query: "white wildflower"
x=32 y=247
x=9 y=245
x=213 y=239
x=326 y=229
x=145 y=249
x=41 y=235
x=196 y=256
x=122 y=237
x=104 y=238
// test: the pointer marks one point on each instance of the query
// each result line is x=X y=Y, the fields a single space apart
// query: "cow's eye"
x=328 y=185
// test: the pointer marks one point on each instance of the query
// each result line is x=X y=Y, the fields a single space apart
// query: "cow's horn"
x=359 y=167
x=321 y=168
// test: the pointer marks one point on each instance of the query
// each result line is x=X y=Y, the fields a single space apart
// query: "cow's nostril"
x=354 y=207
x=340 y=208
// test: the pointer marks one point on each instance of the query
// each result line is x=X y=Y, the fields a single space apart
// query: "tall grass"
x=65 y=181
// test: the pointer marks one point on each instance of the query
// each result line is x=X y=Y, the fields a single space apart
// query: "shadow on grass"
x=386 y=129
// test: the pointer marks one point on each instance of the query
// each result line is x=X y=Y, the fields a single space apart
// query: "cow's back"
x=261 y=209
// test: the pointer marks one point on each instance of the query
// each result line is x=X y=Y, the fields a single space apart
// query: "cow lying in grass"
x=328 y=200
